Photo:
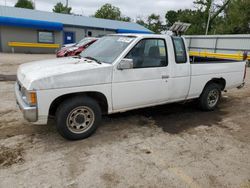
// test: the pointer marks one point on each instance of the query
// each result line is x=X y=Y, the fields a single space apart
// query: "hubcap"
x=80 y=119
x=213 y=97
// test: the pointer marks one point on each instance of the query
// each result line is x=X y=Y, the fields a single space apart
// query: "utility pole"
x=209 y=16
x=67 y=3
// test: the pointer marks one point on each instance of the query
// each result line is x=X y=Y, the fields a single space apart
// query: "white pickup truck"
x=120 y=73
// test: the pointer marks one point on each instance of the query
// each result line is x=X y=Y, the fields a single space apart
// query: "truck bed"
x=205 y=69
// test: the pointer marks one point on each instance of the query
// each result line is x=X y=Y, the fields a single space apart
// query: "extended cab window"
x=149 y=53
x=180 y=50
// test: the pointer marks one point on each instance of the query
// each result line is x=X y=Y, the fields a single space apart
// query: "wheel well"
x=220 y=81
x=99 y=97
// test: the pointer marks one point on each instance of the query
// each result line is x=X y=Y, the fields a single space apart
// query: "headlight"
x=30 y=97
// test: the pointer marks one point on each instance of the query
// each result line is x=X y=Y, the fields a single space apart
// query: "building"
x=34 y=31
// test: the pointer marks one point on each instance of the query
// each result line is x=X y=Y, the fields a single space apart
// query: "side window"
x=149 y=53
x=180 y=50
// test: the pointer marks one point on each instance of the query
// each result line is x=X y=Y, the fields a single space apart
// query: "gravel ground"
x=9 y=62
x=167 y=146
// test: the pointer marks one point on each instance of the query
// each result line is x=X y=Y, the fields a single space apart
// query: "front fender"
x=46 y=97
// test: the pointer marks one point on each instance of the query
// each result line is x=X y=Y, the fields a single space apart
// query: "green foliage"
x=155 y=23
x=236 y=18
x=194 y=17
x=24 y=4
x=108 y=11
x=197 y=17
x=141 y=22
x=60 y=8
x=171 y=17
x=125 y=19
x=230 y=17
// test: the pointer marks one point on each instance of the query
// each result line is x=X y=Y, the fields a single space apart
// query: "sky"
x=131 y=8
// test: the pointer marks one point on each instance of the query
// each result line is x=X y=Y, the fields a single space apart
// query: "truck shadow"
x=175 y=118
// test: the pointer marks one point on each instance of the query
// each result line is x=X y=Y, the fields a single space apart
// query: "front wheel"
x=210 y=97
x=77 y=118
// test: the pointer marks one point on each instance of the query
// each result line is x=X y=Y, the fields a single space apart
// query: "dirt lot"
x=168 y=146
x=9 y=62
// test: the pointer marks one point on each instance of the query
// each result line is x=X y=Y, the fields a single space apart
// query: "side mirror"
x=125 y=64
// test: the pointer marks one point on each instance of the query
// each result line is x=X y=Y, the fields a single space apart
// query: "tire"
x=210 y=97
x=78 y=118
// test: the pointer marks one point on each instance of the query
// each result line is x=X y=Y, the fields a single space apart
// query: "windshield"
x=108 y=48
x=84 y=42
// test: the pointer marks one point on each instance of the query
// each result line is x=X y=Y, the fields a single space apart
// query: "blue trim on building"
x=133 y=31
x=29 y=23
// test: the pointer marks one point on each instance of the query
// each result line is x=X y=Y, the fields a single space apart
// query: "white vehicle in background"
x=120 y=73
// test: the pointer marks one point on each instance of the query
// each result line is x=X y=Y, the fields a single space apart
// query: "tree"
x=108 y=11
x=155 y=23
x=206 y=7
x=125 y=19
x=199 y=16
x=60 y=8
x=171 y=17
x=236 y=18
x=24 y=4
x=194 y=17
x=140 y=21
x=221 y=8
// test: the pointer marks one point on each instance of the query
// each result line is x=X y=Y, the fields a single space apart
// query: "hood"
x=63 y=72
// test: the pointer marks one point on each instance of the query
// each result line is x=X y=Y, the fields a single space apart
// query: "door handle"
x=165 y=76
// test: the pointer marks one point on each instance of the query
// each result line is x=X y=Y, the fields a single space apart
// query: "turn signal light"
x=33 y=98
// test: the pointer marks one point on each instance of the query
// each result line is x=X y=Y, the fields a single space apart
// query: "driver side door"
x=147 y=82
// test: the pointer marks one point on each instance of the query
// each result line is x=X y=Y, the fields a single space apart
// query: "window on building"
x=180 y=50
x=45 y=37
x=149 y=53
x=89 y=33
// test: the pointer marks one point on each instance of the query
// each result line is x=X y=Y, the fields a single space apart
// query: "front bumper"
x=29 y=112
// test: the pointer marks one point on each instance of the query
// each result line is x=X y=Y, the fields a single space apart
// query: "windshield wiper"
x=94 y=59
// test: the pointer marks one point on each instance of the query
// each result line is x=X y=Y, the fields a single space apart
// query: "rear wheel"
x=210 y=97
x=77 y=118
